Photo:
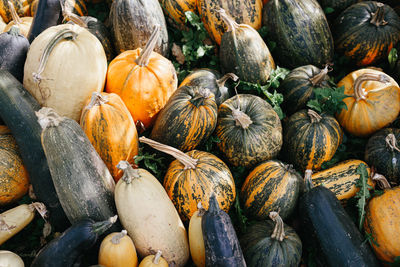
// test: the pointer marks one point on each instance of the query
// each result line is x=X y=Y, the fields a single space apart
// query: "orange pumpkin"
x=143 y=79
x=373 y=101
x=154 y=261
x=176 y=9
x=14 y=180
x=382 y=221
x=111 y=130
x=24 y=24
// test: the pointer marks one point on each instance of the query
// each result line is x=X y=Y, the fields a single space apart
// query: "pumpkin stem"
x=308 y=180
x=200 y=209
x=47 y=117
x=40 y=208
x=17 y=20
x=187 y=161
x=66 y=34
x=359 y=92
x=200 y=96
x=100 y=227
x=314 y=116
x=66 y=10
x=116 y=239
x=392 y=142
x=232 y=25
x=378 y=18
x=241 y=118
x=317 y=79
x=97 y=100
x=157 y=257
x=221 y=82
x=144 y=57
x=279 y=230
x=14 y=30
x=129 y=172
x=381 y=180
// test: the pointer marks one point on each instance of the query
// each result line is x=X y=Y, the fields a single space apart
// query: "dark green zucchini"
x=221 y=245
x=301 y=32
x=83 y=183
x=329 y=229
x=17 y=109
x=66 y=249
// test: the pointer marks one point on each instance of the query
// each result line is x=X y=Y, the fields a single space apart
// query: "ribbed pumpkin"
x=193 y=177
x=244 y=12
x=271 y=243
x=310 y=139
x=212 y=80
x=111 y=130
x=373 y=102
x=118 y=250
x=154 y=261
x=301 y=32
x=64 y=66
x=14 y=179
x=242 y=49
x=249 y=130
x=144 y=80
x=366 y=32
x=382 y=221
x=176 y=9
x=196 y=241
x=187 y=120
x=20 y=7
x=383 y=152
x=133 y=23
x=297 y=87
x=272 y=185
x=23 y=24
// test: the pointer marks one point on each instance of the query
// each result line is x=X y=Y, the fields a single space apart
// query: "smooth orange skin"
x=383 y=222
x=144 y=89
x=366 y=116
x=112 y=132
x=148 y=262
x=117 y=255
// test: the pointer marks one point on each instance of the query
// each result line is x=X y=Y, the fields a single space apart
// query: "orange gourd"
x=154 y=261
x=143 y=79
x=373 y=101
x=118 y=250
x=24 y=24
x=111 y=130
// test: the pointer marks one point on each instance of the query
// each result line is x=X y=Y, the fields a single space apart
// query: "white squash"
x=147 y=213
x=196 y=241
x=2 y=24
x=10 y=259
x=64 y=66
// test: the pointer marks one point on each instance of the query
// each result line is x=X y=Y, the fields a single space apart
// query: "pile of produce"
x=199 y=133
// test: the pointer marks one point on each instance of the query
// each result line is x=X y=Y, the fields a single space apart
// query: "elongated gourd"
x=149 y=216
x=196 y=240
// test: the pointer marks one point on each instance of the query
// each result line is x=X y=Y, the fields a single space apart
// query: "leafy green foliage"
x=393 y=57
x=151 y=162
x=329 y=10
x=396 y=262
x=209 y=145
x=370 y=239
x=363 y=195
x=328 y=100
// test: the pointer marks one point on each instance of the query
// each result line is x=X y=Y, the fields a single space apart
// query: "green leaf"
x=328 y=100
x=329 y=10
x=393 y=57
x=363 y=194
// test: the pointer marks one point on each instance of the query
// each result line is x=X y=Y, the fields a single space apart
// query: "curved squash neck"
x=144 y=57
x=221 y=82
x=378 y=18
x=314 y=116
x=317 y=79
x=232 y=25
x=68 y=15
x=359 y=91
x=279 y=230
x=17 y=20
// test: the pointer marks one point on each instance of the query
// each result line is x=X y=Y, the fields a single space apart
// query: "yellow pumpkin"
x=154 y=261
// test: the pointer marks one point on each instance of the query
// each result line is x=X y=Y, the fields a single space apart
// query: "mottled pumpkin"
x=373 y=101
x=175 y=9
x=271 y=186
x=249 y=130
x=77 y=7
x=144 y=80
x=20 y=6
x=110 y=128
x=310 y=139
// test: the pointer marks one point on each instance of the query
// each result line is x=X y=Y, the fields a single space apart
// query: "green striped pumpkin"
x=271 y=186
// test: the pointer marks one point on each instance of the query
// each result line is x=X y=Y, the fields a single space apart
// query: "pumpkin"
x=154 y=261
x=310 y=139
x=249 y=130
x=244 y=12
x=14 y=179
x=24 y=23
x=10 y=259
x=193 y=177
x=5 y=11
x=77 y=7
x=56 y=68
x=382 y=222
x=300 y=31
x=110 y=128
x=383 y=152
x=373 y=101
x=149 y=216
x=298 y=86
x=196 y=241
x=144 y=80
x=271 y=243
x=272 y=185
x=242 y=48
x=2 y=24
x=341 y=179
x=13 y=50
x=212 y=80
x=187 y=120
x=221 y=245
x=118 y=250
x=133 y=23
x=175 y=9
x=354 y=27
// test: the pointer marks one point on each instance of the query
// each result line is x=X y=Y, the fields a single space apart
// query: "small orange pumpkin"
x=111 y=130
x=154 y=261
x=144 y=80
x=373 y=101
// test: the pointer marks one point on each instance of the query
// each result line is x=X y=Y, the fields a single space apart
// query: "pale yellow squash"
x=196 y=241
x=154 y=261
x=10 y=259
